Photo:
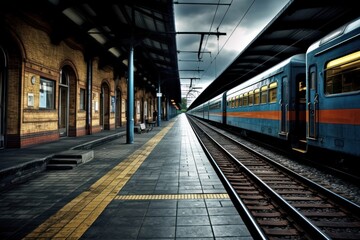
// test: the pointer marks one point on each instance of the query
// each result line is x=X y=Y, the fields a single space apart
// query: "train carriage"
x=201 y=111
x=310 y=100
x=333 y=94
x=271 y=103
x=216 y=109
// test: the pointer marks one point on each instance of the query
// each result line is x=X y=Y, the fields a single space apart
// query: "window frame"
x=82 y=103
x=273 y=86
x=44 y=98
x=338 y=72
x=264 y=89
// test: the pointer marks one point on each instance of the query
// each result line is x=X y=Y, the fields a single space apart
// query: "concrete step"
x=63 y=166
x=69 y=159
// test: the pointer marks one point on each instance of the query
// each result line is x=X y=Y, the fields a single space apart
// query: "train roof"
x=346 y=28
x=296 y=59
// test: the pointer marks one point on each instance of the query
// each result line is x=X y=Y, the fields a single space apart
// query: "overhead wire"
x=211 y=25
x=212 y=22
x=241 y=19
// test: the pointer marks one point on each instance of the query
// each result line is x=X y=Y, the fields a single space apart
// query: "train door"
x=300 y=107
x=2 y=99
x=64 y=104
x=223 y=107
x=284 y=107
x=313 y=104
x=207 y=110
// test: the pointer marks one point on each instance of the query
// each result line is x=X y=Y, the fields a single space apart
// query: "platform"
x=160 y=187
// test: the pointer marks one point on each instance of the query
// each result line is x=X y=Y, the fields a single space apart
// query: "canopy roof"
x=107 y=28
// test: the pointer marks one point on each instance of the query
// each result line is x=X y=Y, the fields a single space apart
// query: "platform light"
x=125 y=62
x=74 y=16
x=89 y=9
x=97 y=35
x=115 y=52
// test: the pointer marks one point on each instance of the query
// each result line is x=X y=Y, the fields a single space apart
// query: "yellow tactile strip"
x=173 y=196
x=76 y=217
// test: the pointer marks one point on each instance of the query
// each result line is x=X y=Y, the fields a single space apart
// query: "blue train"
x=309 y=100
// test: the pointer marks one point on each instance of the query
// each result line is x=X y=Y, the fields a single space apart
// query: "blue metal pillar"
x=89 y=77
x=130 y=99
x=168 y=107
x=159 y=95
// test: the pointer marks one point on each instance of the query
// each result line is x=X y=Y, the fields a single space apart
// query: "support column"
x=159 y=104
x=130 y=99
x=89 y=97
x=168 y=109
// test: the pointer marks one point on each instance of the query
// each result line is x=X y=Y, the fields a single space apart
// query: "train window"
x=246 y=99
x=264 y=94
x=313 y=78
x=215 y=105
x=342 y=75
x=251 y=97
x=241 y=100
x=257 y=96
x=273 y=92
x=236 y=101
x=300 y=78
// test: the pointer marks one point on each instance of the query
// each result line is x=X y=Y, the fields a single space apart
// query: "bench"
x=142 y=128
x=151 y=125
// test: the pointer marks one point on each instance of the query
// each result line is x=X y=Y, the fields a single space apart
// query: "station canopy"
x=107 y=28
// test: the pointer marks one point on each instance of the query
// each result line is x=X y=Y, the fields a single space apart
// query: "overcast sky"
x=242 y=21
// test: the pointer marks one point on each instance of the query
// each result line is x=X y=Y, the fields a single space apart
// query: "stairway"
x=300 y=146
x=69 y=159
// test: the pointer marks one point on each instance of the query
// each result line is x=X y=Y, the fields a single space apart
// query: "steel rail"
x=308 y=227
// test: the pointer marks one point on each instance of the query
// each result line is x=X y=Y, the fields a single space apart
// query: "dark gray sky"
x=242 y=21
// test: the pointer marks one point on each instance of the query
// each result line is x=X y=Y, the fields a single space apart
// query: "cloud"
x=241 y=22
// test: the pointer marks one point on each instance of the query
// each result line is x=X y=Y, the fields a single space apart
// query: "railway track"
x=275 y=202
x=347 y=170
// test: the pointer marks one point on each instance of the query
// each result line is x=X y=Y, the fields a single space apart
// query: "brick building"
x=55 y=83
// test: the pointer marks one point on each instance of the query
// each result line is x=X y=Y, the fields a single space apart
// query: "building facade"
x=51 y=89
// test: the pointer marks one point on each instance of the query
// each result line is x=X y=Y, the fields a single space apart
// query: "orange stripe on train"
x=340 y=116
x=334 y=116
x=271 y=115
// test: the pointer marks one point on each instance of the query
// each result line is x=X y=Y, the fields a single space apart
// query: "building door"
x=146 y=112
x=64 y=104
x=118 y=108
x=105 y=107
x=284 y=106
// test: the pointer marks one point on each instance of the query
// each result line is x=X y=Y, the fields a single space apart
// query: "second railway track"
x=278 y=203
